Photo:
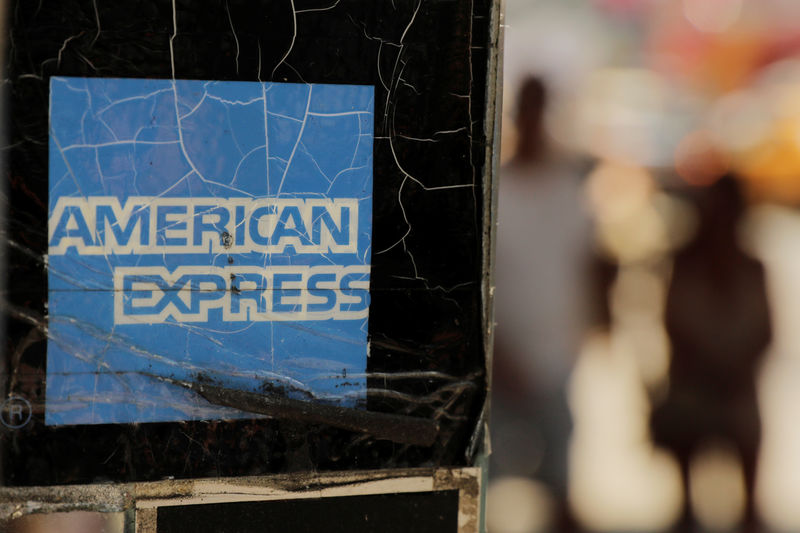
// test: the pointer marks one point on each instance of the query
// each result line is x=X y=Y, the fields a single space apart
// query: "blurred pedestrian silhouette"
x=543 y=260
x=717 y=319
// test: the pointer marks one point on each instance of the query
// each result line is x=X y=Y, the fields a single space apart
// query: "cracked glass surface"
x=428 y=63
x=210 y=274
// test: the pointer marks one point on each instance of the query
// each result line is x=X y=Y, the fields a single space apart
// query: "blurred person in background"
x=718 y=322
x=543 y=259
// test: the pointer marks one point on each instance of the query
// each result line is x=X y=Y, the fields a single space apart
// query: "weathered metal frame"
x=139 y=500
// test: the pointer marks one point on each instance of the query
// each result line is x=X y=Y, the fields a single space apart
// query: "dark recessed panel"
x=421 y=512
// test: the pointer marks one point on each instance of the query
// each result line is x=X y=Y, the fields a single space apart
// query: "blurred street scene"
x=647 y=365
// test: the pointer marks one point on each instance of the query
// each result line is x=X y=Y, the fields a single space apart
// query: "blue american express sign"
x=205 y=230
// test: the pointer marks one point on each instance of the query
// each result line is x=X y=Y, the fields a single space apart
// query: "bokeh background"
x=657 y=98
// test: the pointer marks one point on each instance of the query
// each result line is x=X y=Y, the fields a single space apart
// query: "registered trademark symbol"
x=15 y=412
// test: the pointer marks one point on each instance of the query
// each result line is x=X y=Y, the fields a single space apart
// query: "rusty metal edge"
x=141 y=499
x=480 y=447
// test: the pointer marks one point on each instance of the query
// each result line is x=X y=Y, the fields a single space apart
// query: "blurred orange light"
x=713 y=16
x=714 y=45
x=698 y=161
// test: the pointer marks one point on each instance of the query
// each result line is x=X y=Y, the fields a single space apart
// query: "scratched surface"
x=427 y=62
x=217 y=146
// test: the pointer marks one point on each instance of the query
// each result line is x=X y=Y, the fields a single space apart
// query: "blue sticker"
x=205 y=230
